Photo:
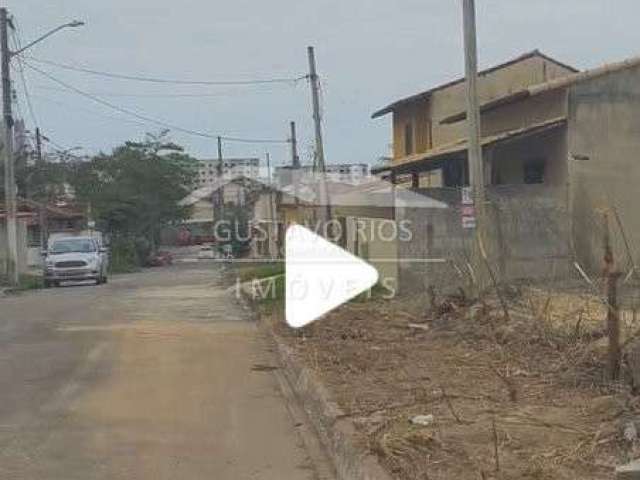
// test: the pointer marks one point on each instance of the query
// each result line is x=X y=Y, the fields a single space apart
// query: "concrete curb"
x=335 y=431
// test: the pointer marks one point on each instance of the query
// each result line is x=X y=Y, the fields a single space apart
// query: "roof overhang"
x=405 y=101
x=541 y=88
x=445 y=152
x=426 y=94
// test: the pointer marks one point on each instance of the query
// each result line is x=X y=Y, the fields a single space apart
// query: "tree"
x=135 y=191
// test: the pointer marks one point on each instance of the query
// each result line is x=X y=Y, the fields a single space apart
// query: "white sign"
x=468 y=208
x=467 y=196
x=468 y=222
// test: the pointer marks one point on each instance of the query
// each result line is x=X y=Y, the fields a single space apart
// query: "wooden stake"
x=496 y=453
x=613 y=316
x=613 y=327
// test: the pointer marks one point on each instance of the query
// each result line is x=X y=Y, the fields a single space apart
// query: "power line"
x=140 y=78
x=106 y=116
x=151 y=95
x=146 y=118
x=17 y=42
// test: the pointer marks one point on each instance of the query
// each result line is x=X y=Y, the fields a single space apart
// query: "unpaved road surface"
x=157 y=375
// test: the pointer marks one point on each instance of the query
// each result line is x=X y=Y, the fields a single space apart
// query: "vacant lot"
x=522 y=397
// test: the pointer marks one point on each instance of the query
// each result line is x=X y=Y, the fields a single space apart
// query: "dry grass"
x=518 y=399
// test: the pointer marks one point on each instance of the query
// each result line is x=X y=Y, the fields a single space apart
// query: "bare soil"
x=517 y=397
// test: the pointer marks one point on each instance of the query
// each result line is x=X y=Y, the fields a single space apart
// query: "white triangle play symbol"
x=320 y=276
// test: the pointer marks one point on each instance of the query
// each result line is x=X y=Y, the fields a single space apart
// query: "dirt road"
x=158 y=375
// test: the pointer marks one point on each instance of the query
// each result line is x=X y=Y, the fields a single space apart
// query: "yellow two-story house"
x=428 y=145
x=566 y=139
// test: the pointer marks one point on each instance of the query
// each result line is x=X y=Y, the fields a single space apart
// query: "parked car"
x=71 y=259
x=160 y=259
x=207 y=252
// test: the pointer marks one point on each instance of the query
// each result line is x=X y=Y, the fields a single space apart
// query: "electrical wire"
x=25 y=90
x=151 y=95
x=140 y=78
x=75 y=108
x=17 y=41
x=146 y=118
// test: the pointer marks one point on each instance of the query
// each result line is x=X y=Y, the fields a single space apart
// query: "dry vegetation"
x=517 y=398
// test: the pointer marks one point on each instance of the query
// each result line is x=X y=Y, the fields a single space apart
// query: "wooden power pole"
x=7 y=150
x=611 y=277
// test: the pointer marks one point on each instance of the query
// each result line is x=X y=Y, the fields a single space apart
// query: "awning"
x=410 y=162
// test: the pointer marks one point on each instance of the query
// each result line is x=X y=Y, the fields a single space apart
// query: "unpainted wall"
x=604 y=165
x=525 y=113
x=506 y=162
x=23 y=263
x=527 y=239
x=425 y=114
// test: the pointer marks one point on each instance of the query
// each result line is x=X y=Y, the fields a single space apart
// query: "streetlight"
x=72 y=24
x=9 y=174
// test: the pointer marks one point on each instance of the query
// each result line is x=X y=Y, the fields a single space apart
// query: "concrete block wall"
x=529 y=239
x=23 y=263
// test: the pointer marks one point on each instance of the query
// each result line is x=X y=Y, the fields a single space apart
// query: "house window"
x=408 y=139
x=534 y=170
x=455 y=173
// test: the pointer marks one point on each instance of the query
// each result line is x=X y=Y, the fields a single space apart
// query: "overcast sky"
x=369 y=52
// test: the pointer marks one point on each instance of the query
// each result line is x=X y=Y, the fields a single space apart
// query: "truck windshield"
x=81 y=245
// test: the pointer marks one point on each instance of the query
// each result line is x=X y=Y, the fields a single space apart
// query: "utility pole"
x=273 y=230
x=43 y=202
x=9 y=175
x=315 y=99
x=476 y=167
x=39 y=158
x=220 y=172
x=475 y=194
x=295 y=159
x=319 y=163
x=268 y=160
x=296 y=177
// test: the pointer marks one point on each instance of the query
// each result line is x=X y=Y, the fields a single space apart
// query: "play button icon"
x=320 y=276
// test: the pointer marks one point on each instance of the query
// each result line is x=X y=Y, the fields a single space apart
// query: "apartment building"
x=231 y=167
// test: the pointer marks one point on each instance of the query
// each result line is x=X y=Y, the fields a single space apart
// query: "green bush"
x=30 y=282
x=124 y=256
x=248 y=273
